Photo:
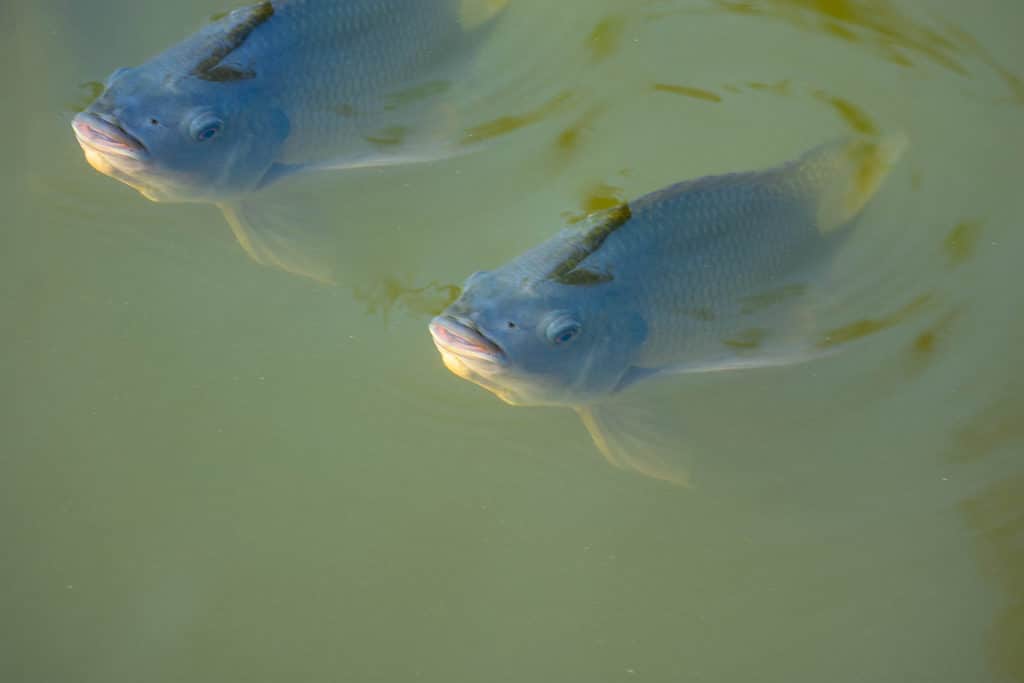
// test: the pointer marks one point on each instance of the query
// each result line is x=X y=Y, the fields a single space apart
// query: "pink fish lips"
x=456 y=337
x=100 y=135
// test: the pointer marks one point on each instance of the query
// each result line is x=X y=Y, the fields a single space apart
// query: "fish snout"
x=460 y=336
x=107 y=147
x=103 y=133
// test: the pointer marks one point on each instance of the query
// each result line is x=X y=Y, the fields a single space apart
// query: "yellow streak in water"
x=960 y=242
x=687 y=91
x=747 y=340
x=869 y=326
x=508 y=124
x=389 y=137
x=926 y=344
x=599 y=197
x=778 y=88
x=606 y=37
x=877 y=24
x=570 y=139
x=854 y=116
x=389 y=292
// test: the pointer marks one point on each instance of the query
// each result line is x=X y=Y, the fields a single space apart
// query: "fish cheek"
x=620 y=344
x=277 y=129
x=631 y=335
x=630 y=330
x=267 y=137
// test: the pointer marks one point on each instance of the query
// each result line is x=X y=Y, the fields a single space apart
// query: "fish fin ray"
x=732 y=363
x=272 y=241
x=848 y=173
x=628 y=438
x=370 y=161
x=432 y=146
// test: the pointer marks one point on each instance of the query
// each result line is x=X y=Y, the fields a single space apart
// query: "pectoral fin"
x=270 y=238
x=630 y=438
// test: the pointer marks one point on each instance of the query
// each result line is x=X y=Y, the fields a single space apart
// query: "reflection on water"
x=212 y=471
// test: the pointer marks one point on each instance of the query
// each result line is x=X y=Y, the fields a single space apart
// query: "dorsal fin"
x=242 y=23
x=848 y=173
x=595 y=230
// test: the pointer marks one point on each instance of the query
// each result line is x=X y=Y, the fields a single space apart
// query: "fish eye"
x=562 y=331
x=205 y=127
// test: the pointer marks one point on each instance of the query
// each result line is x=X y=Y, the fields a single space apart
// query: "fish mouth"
x=106 y=136
x=462 y=338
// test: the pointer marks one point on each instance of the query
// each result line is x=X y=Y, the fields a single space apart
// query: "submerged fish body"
x=703 y=275
x=280 y=87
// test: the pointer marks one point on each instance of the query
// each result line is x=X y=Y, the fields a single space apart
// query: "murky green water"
x=213 y=471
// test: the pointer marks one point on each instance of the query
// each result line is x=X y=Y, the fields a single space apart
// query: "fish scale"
x=313 y=86
x=706 y=245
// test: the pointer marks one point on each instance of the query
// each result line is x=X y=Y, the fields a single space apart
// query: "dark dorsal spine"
x=567 y=272
x=211 y=69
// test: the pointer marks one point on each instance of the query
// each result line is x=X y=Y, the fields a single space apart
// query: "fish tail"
x=845 y=175
x=476 y=13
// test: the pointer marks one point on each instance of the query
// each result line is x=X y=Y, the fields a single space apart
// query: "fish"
x=278 y=89
x=704 y=275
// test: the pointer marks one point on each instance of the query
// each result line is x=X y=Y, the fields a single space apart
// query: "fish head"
x=538 y=343
x=180 y=139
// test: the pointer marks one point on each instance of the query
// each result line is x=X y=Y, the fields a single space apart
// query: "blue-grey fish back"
x=692 y=254
x=332 y=67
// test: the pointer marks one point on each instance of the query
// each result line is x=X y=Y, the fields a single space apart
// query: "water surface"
x=213 y=471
